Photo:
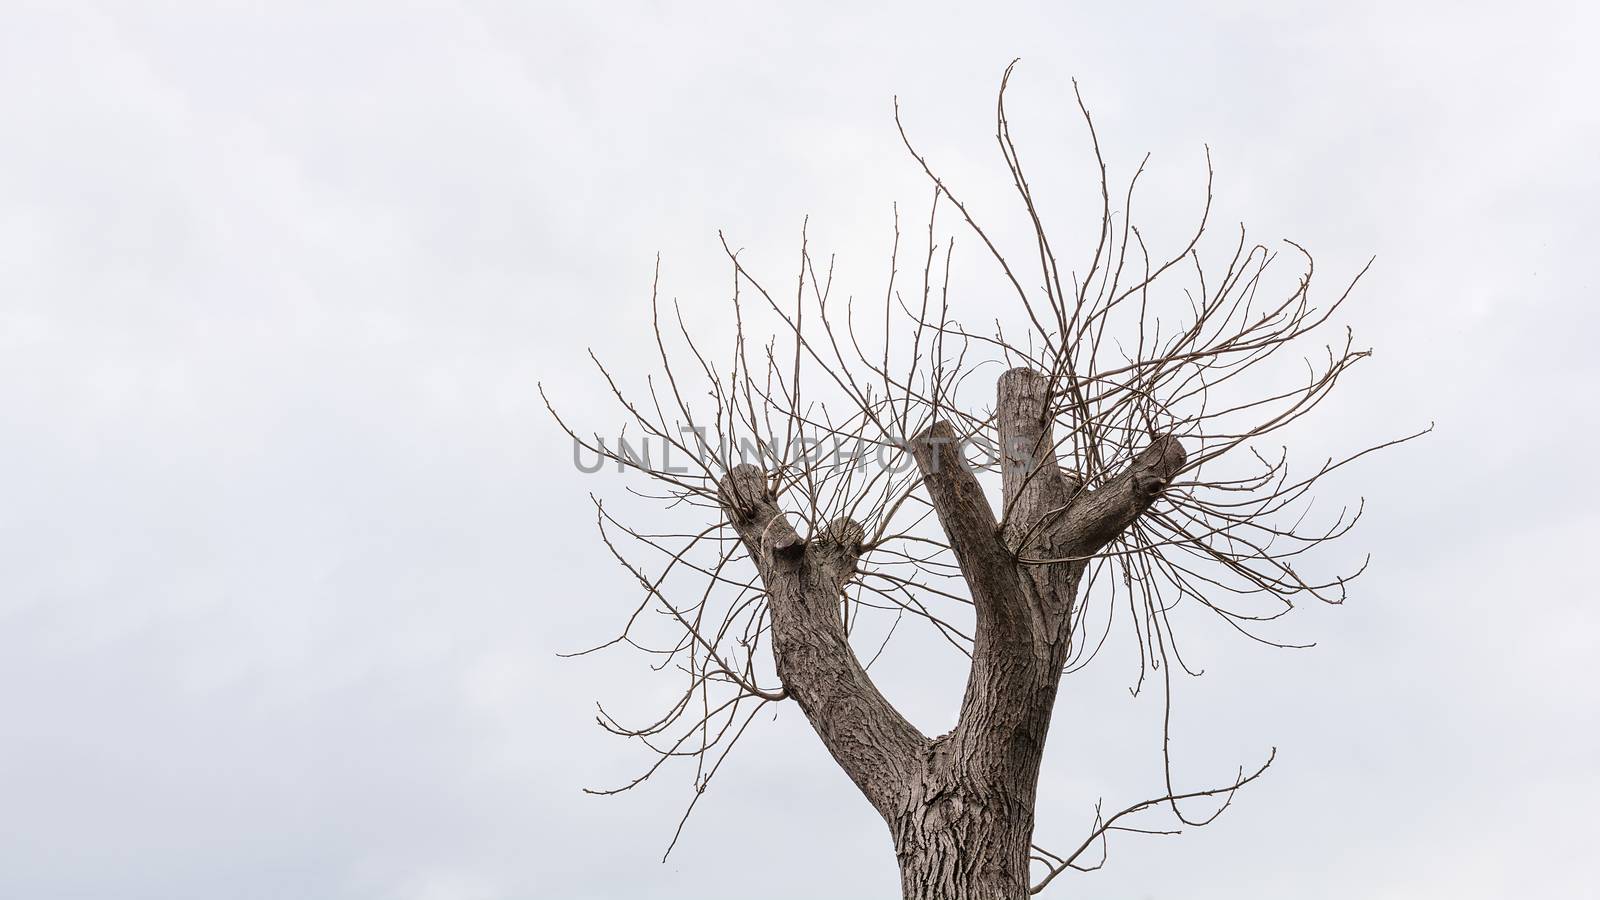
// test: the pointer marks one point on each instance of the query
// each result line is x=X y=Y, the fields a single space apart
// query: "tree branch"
x=1104 y=826
x=1032 y=482
x=970 y=528
x=1098 y=516
x=865 y=734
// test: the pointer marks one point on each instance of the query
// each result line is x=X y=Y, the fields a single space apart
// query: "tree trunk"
x=964 y=849
x=967 y=827
x=960 y=807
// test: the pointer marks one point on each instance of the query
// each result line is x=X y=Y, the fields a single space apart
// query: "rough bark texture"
x=960 y=807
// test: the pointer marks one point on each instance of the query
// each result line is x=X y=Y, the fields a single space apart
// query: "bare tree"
x=833 y=477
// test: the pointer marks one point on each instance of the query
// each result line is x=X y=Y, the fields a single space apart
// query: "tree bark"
x=866 y=736
x=959 y=807
x=966 y=830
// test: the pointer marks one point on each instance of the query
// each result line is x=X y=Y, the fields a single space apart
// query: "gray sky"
x=290 y=544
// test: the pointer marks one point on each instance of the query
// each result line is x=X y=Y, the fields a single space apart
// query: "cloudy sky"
x=289 y=543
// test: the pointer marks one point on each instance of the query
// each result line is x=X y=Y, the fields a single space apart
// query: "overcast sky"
x=289 y=543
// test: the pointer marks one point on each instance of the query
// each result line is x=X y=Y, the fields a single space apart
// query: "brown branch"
x=1100 y=515
x=866 y=735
